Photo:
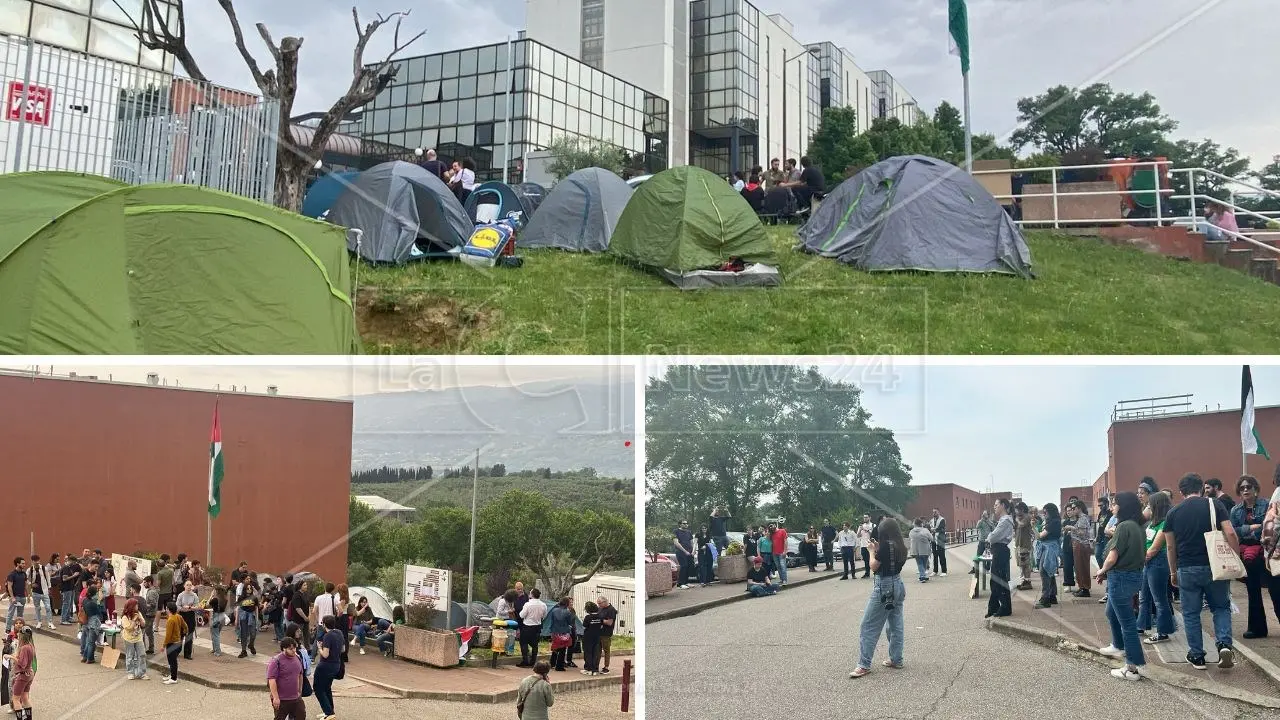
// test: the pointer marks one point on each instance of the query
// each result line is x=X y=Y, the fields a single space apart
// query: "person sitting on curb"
x=758 y=580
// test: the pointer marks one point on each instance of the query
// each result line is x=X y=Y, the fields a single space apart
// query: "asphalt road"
x=789 y=656
x=65 y=689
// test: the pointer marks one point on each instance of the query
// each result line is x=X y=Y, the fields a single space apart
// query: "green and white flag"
x=959 y=26
x=215 y=467
x=1250 y=443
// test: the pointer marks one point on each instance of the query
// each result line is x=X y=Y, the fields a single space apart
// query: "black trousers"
x=826 y=552
x=850 y=566
x=866 y=562
x=529 y=637
x=1257 y=579
x=1001 y=602
x=188 y=643
x=939 y=557
x=686 y=568
x=1068 y=557
x=172 y=651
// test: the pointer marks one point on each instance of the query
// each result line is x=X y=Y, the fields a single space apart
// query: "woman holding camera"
x=888 y=555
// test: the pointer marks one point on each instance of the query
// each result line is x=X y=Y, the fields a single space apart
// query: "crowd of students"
x=798 y=185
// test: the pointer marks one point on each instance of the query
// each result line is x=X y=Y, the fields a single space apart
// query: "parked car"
x=669 y=559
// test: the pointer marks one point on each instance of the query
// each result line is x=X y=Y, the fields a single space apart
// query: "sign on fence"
x=424 y=583
x=38 y=108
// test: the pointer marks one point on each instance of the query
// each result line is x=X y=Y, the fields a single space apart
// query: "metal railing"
x=74 y=112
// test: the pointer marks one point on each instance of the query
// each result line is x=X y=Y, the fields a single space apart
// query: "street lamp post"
x=899 y=106
x=785 y=61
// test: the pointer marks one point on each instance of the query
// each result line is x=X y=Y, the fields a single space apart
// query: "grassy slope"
x=1089 y=298
x=577 y=492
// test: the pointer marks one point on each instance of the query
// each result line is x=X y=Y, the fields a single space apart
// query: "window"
x=485 y=84
x=466 y=111
x=451 y=65
x=416 y=69
x=397 y=119
x=449 y=90
x=58 y=27
x=399 y=95
x=430 y=115
x=484 y=134
x=469 y=62
x=431 y=92
x=467 y=87
x=488 y=59
x=448 y=113
x=466 y=135
x=484 y=108
x=433 y=68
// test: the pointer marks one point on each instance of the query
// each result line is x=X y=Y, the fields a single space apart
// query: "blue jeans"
x=248 y=624
x=1100 y=552
x=1212 y=232
x=322 y=685
x=42 y=601
x=89 y=638
x=780 y=562
x=922 y=566
x=761 y=590
x=1122 y=585
x=17 y=605
x=1155 y=605
x=216 y=622
x=68 y=602
x=1196 y=584
x=875 y=617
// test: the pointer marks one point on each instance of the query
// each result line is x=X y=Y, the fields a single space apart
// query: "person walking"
x=41 y=587
x=848 y=540
x=175 y=631
x=1154 y=598
x=939 y=527
x=22 y=668
x=328 y=664
x=561 y=627
x=531 y=617
x=828 y=543
x=778 y=536
x=682 y=540
x=16 y=586
x=535 y=696
x=921 y=547
x=131 y=624
x=247 y=616
x=1122 y=572
x=1048 y=555
x=285 y=675
x=188 y=603
x=1248 y=518
x=1001 y=602
x=888 y=555
x=1184 y=537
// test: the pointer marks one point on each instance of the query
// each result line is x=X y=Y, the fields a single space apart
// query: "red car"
x=670 y=560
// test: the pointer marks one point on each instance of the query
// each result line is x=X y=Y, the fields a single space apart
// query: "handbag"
x=1250 y=553
x=1223 y=561
x=560 y=640
x=1273 y=563
x=520 y=700
x=306 y=687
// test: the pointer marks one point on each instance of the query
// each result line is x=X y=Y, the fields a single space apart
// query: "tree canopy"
x=1063 y=120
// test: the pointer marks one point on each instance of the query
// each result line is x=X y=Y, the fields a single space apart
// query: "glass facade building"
x=101 y=28
x=462 y=102
x=724 y=84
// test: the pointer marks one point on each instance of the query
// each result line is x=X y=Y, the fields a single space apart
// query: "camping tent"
x=325 y=191
x=916 y=213
x=532 y=193
x=89 y=266
x=580 y=213
x=503 y=197
x=406 y=214
x=687 y=223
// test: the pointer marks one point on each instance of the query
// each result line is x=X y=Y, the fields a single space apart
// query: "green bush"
x=420 y=614
x=735 y=548
x=359 y=574
x=390 y=579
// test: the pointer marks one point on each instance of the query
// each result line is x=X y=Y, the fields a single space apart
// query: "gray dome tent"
x=916 y=213
x=580 y=213
x=406 y=214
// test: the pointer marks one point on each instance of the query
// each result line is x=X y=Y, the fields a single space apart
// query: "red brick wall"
x=959 y=505
x=1084 y=492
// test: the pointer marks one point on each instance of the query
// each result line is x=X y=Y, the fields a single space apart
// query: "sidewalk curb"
x=699 y=607
x=1063 y=644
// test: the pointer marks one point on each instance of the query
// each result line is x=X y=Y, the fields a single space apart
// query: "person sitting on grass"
x=758 y=580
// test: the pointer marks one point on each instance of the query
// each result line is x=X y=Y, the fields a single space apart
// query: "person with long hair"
x=23 y=669
x=131 y=624
x=1155 y=601
x=175 y=631
x=188 y=603
x=811 y=549
x=217 y=618
x=561 y=628
x=1048 y=555
x=1122 y=572
x=364 y=621
x=1001 y=602
x=247 y=615
x=1084 y=533
x=888 y=555
x=1248 y=517
x=706 y=563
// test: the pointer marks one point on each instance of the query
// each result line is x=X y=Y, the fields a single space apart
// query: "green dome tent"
x=687 y=223
x=90 y=266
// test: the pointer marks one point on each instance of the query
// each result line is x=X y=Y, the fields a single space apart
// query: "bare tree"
x=280 y=82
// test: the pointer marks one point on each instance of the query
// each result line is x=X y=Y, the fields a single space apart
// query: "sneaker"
x=51 y=625
x=604 y=671
x=1156 y=639
x=944 y=574
x=1125 y=673
x=170 y=681
x=1226 y=657
x=144 y=677
x=1102 y=600
x=1196 y=661
x=586 y=672
x=1111 y=651
x=361 y=651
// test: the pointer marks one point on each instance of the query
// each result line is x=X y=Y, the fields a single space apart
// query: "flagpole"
x=968 y=128
x=471 y=562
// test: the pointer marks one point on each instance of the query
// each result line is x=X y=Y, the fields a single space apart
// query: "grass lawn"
x=1088 y=298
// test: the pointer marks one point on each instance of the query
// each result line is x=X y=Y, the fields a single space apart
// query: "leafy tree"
x=1268 y=179
x=573 y=153
x=359 y=574
x=1209 y=155
x=837 y=147
x=950 y=124
x=560 y=546
x=890 y=138
x=987 y=147
x=446 y=536
x=366 y=530
x=1120 y=124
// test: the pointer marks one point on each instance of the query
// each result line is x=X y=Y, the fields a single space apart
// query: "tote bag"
x=1223 y=561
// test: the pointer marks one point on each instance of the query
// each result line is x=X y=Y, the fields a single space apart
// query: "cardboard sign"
x=110 y=657
x=38 y=108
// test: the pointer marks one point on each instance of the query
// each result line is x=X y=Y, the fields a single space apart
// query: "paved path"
x=65 y=689
x=760 y=655
x=696 y=598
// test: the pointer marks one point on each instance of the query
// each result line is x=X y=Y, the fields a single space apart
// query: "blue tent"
x=325 y=191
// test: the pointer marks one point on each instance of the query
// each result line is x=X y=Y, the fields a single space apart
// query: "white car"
x=638 y=180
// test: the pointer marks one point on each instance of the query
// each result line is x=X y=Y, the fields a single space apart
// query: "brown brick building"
x=124 y=467
x=958 y=504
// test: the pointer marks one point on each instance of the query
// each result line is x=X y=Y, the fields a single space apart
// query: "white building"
x=735 y=78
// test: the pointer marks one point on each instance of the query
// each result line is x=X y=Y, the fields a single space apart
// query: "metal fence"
x=69 y=111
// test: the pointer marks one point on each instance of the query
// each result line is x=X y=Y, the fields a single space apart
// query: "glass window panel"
x=571 y=119
x=596 y=126
x=415 y=93
x=381 y=118
x=153 y=59
x=449 y=90
x=597 y=105
x=716 y=43
x=397 y=139
x=544 y=134
x=430 y=138
x=544 y=84
x=467 y=135
x=534 y=57
x=59 y=27
x=110 y=10
x=467 y=86
x=484 y=134
x=113 y=41
x=431 y=92
x=15 y=17
x=468 y=62
x=80 y=6
x=520 y=54
x=488 y=58
x=484 y=84
x=597 y=82
x=434 y=67
x=518 y=133
x=451 y=62
x=466 y=111
x=399 y=95
x=559 y=90
x=485 y=108
x=397 y=119
x=500 y=135
x=448 y=113
x=717 y=25
x=413 y=117
x=544 y=109
x=521 y=106
x=558 y=114
x=448 y=135
x=416 y=69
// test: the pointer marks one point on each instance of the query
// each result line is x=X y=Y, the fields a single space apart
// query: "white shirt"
x=468 y=179
x=738 y=185
x=502 y=609
x=864 y=535
x=847 y=538
x=326 y=605
x=533 y=612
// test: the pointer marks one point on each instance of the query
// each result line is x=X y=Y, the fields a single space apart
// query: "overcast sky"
x=333 y=381
x=1025 y=429
x=1212 y=73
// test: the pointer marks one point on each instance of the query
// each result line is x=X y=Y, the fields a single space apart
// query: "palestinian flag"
x=465 y=635
x=215 y=466
x=958 y=25
x=1250 y=443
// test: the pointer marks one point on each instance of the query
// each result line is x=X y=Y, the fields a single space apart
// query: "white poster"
x=120 y=564
x=423 y=583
